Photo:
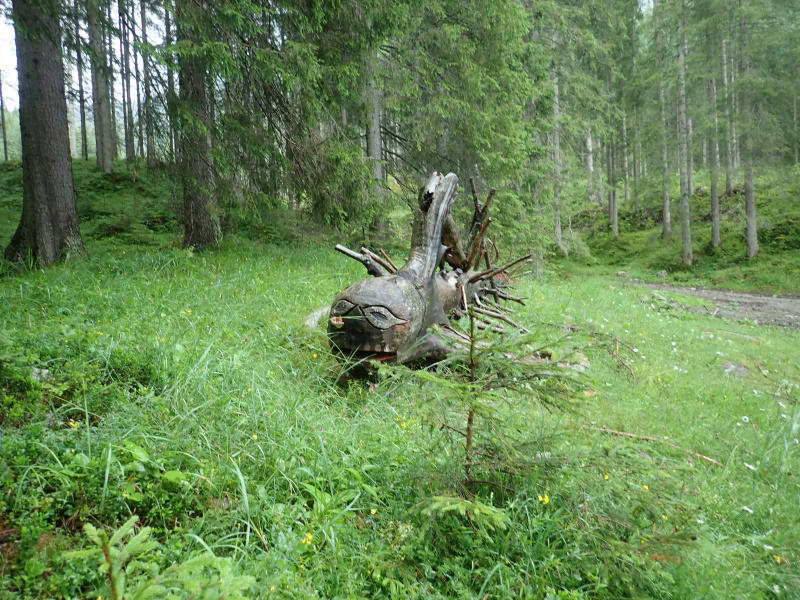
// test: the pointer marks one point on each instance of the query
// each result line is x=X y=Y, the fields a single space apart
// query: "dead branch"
x=492 y=272
x=654 y=439
x=373 y=268
x=390 y=268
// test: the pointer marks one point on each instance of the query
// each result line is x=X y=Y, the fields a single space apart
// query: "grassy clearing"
x=640 y=250
x=182 y=388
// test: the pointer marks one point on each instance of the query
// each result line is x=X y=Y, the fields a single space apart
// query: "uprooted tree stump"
x=389 y=317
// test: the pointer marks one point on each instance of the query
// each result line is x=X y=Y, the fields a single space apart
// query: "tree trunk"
x=81 y=92
x=148 y=94
x=636 y=157
x=683 y=153
x=374 y=145
x=690 y=155
x=48 y=229
x=666 y=215
x=796 y=135
x=373 y=101
x=125 y=53
x=3 y=119
x=625 y=165
x=590 y=167
x=137 y=78
x=613 y=211
x=728 y=123
x=101 y=98
x=200 y=213
x=716 y=239
x=557 y=226
x=748 y=132
x=173 y=134
x=111 y=84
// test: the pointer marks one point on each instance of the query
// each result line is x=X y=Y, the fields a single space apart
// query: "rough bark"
x=48 y=229
x=683 y=154
x=200 y=213
x=716 y=239
x=101 y=97
x=666 y=213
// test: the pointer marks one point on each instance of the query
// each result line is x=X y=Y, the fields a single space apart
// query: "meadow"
x=184 y=389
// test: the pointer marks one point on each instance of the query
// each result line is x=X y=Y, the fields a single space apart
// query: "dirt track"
x=760 y=308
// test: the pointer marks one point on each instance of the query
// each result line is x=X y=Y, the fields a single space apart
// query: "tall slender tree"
x=48 y=229
x=666 y=211
x=3 y=119
x=683 y=143
x=200 y=211
x=101 y=95
x=81 y=92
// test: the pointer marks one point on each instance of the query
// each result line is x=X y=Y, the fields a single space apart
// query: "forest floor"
x=759 y=308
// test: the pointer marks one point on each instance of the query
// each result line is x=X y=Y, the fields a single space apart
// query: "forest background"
x=647 y=137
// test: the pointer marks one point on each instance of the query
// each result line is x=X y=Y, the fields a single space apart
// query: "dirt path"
x=760 y=308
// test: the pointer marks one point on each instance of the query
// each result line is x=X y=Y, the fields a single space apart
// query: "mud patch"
x=762 y=309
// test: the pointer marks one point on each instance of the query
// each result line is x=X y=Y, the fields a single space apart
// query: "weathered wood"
x=389 y=317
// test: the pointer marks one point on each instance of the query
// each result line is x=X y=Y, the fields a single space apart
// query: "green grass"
x=184 y=389
x=640 y=250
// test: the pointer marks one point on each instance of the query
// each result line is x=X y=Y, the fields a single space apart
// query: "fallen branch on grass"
x=654 y=439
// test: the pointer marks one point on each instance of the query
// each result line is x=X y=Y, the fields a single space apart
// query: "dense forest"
x=339 y=110
x=175 y=175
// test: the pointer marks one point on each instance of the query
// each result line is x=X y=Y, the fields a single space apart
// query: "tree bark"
x=796 y=131
x=690 y=154
x=3 y=119
x=48 y=229
x=111 y=84
x=374 y=101
x=148 y=94
x=200 y=213
x=716 y=239
x=683 y=153
x=137 y=78
x=749 y=149
x=625 y=164
x=101 y=98
x=81 y=92
x=557 y=226
x=666 y=214
x=173 y=134
x=590 y=167
x=125 y=52
x=728 y=123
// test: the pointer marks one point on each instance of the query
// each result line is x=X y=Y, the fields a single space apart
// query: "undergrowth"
x=183 y=389
x=640 y=249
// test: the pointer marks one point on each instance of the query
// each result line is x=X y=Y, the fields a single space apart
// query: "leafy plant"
x=128 y=560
